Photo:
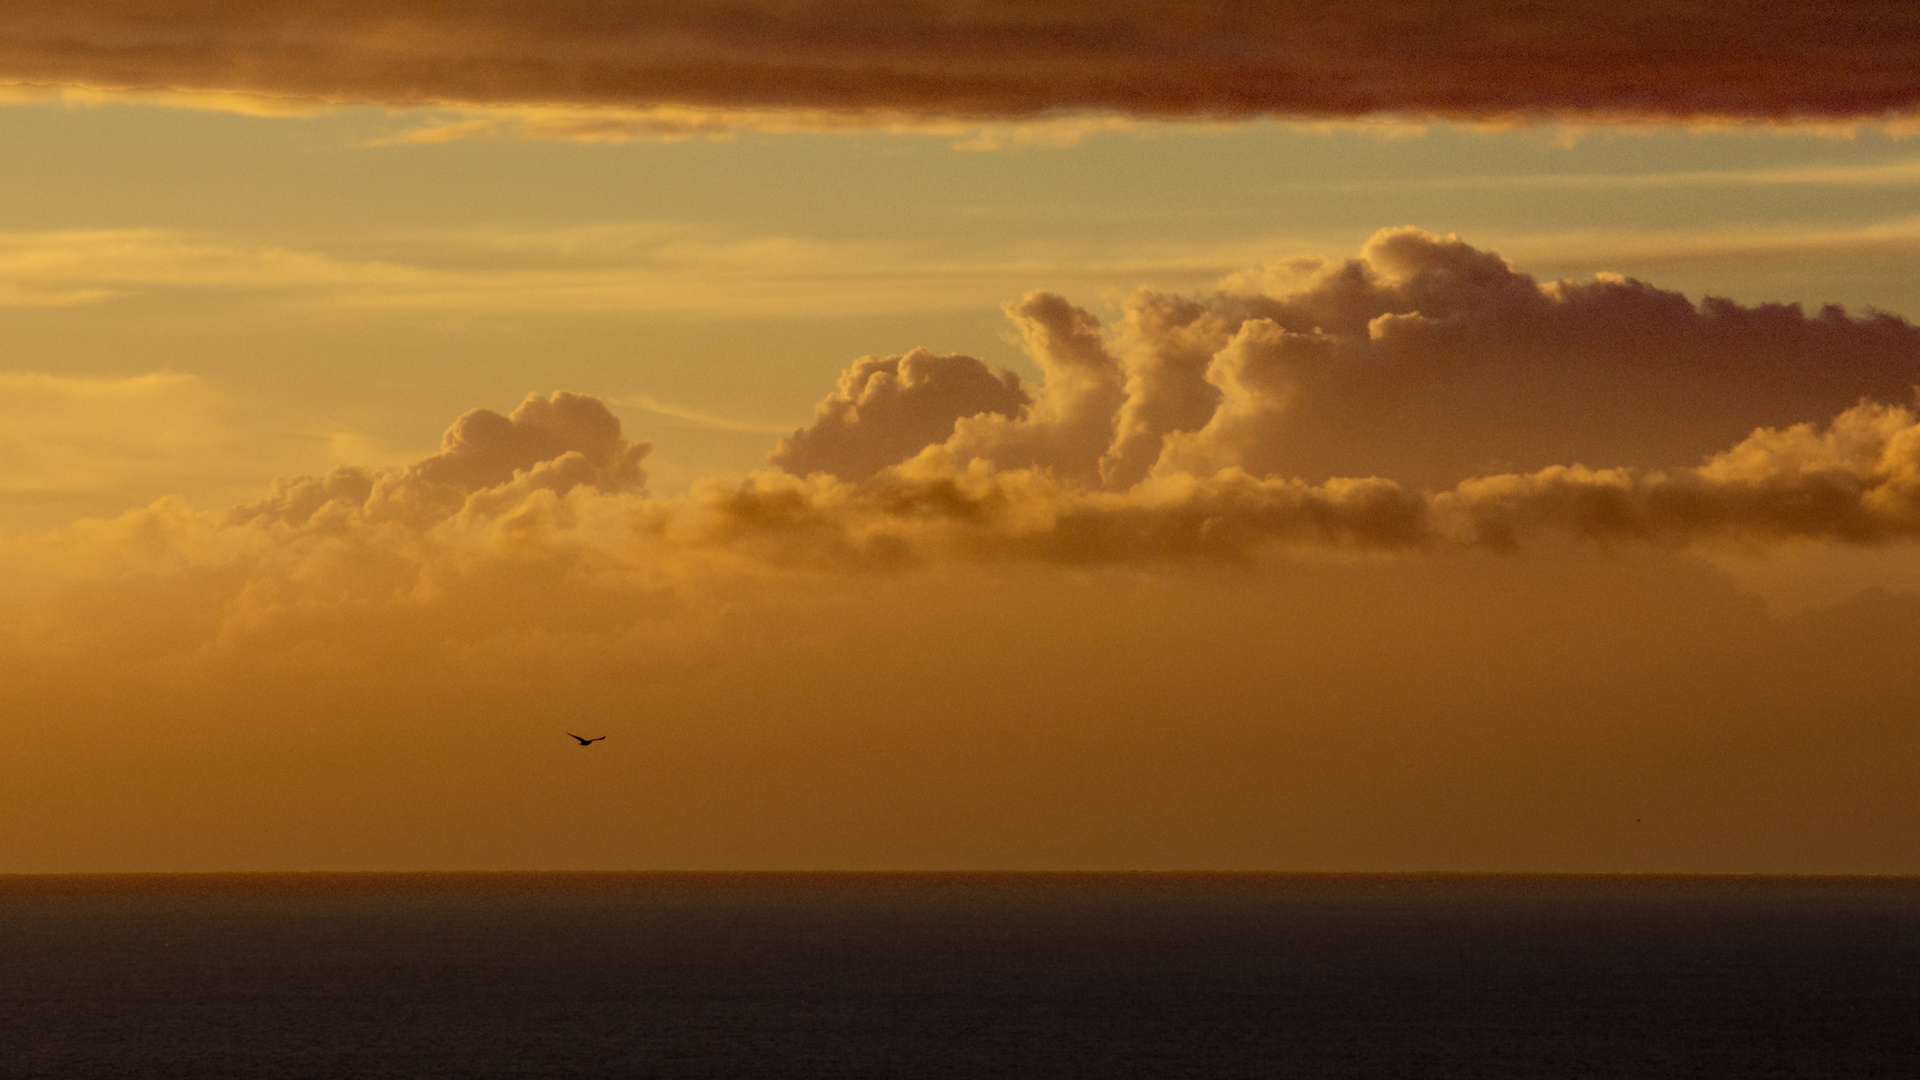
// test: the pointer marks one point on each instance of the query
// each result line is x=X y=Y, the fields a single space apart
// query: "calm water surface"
x=830 y=976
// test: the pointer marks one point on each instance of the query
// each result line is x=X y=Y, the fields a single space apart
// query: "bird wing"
x=578 y=739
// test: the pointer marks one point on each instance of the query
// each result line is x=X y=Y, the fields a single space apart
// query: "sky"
x=1176 y=435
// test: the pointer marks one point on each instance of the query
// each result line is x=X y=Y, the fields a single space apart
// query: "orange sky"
x=1177 y=506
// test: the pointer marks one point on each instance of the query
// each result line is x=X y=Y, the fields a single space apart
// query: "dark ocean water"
x=967 y=976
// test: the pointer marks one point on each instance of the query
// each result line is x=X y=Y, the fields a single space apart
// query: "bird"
x=584 y=742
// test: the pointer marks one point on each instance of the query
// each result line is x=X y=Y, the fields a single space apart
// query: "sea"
x=724 y=976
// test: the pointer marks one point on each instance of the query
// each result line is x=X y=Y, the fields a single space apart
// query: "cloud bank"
x=1156 y=58
x=1424 y=360
x=1136 y=614
x=1422 y=396
x=375 y=670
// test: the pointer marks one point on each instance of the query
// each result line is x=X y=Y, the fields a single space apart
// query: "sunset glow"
x=974 y=436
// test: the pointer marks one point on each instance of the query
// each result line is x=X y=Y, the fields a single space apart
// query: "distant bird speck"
x=584 y=742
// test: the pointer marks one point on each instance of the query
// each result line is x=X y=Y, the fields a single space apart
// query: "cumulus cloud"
x=1069 y=422
x=1429 y=360
x=1332 y=405
x=1422 y=396
x=557 y=483
x=1856 y=480
x=486 y=460
x=1424 y=360
x=889 y=407
x=1147 y=57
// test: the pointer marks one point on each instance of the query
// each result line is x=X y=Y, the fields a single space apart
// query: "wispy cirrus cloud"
x=667 y=123
x=1905 y=173
x=655 y=407
x=261 y=105
x=618 y=267
x=1749 y=242
x=83 y=266
x=660 y=266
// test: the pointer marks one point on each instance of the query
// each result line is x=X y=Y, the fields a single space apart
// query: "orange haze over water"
x=1410 y=560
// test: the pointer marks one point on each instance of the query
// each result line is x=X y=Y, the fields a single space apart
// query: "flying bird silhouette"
x=584 y=742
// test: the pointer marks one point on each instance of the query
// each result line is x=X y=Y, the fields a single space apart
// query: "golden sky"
x=1057 y=435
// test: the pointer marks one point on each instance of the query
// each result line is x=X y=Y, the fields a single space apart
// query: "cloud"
x=942 y=669
x=1195 y=58
x=888 y=408
x=1070 y=419
x=1421 y=396
x=587 y=124
x=652 y=266
x=1904 y=173
x=486 y=460
x=85 y=97
x=995 y=651
x=1896 y=238
x=1857 y=480
x=1424 y=360
x=695 y=418
x=674 y=123
x=86 y=266
x=610 y=267
x=556 y=484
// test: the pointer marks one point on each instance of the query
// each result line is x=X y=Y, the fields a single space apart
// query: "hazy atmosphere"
x=1188 y=435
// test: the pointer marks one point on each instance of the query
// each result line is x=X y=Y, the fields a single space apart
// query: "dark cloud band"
x=1174 y=58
